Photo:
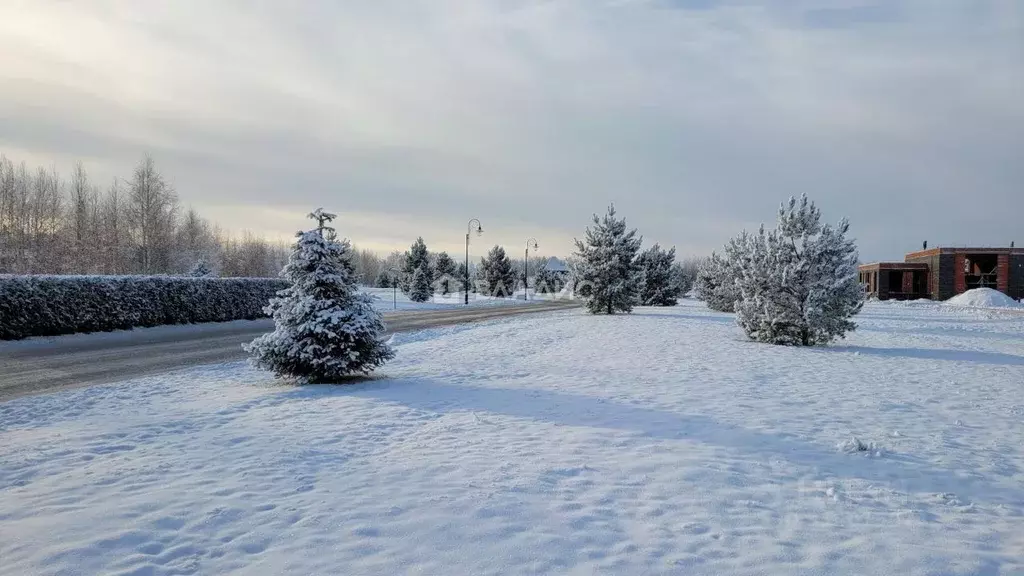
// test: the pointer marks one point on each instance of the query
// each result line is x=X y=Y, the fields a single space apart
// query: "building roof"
x=555 y=265
x=893 y=266
x=965 y=250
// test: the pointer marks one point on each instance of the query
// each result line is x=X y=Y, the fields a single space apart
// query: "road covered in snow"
x=45 y=364
x=660 y=442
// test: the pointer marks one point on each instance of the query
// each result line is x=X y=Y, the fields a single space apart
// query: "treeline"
x=50 y=224
x=420 y=273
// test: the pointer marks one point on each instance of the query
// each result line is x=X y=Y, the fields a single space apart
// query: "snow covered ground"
x=661 y=442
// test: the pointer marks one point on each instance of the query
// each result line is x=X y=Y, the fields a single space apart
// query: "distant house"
x=941 y=273
x=555 y=265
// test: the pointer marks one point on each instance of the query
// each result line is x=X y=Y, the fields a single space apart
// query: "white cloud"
x=695 y=117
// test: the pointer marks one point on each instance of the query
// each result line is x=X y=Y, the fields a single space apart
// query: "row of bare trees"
x=50 y=225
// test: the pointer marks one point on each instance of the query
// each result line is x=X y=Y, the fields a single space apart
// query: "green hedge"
x=52 y=305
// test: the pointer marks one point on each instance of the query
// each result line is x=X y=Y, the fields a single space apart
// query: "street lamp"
x=526 y=268
x=479 y=231
x=394 y=272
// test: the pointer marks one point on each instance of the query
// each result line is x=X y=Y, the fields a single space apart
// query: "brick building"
x=941 y=273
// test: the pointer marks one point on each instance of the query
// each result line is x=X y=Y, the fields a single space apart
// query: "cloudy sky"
x=695 y=117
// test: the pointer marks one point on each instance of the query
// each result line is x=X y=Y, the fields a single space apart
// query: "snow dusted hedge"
x=52 y=305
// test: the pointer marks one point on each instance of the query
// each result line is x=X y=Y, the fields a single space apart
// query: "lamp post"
x=394 y=272
x=526 y=268
x=479 y=231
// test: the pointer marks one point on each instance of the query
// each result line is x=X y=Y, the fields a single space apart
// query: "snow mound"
x=983 y=298
x=856 y=445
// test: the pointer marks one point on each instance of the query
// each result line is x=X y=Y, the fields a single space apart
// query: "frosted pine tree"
x=201 y=269
x=658 y=287
x=325 y=329
x=417 y=258
x=497 y=274
x=385 y=279
x=420 y=287
x=799 y=282
x=716 y=282
x=445 y=274
x=608 y=276
x=682 y=281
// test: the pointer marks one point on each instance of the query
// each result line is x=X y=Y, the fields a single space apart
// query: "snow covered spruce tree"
x=608 y=276
x=445 y=274
x=325 y=328
x=497 y=275
x=682 y=281
x=798 y=283
x=717 y=276
x=201 y=269
x=385 y=279
x=658 y=287
x=417 y=259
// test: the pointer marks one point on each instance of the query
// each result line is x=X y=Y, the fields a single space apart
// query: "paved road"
x=39 y=366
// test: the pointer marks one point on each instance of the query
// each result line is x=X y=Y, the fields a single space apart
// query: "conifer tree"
x=717 y=276
x=325 y=328
x=658 y=287
x=799 y=282
x=420 y=288
x=201 y=269
x=417 y=259
x=385 y=279
x=445 y=274
x=497 y=274
x=550 y=281
x=682 y=282
x=608 y=277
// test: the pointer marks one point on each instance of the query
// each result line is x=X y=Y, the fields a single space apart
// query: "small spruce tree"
x=201 y=269
x=445 y=274
x=798 y=283
x=325 y=328
x=420 y=288
x=607 y=276
x=417 y=259
x=497 y=274
x=385 y=279
x=658 y=287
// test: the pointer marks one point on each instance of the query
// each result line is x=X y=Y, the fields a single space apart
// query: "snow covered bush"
x=417 y=260
x=607 y=274
x=54 y=305
x=325 y=328
x=497 y=276
x=658 y=286
x=798 y=283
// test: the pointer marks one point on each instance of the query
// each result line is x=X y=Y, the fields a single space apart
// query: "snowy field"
x=656 y=443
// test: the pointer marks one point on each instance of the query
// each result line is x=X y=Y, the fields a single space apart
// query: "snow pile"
x=855 y=445
x=983 y=298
